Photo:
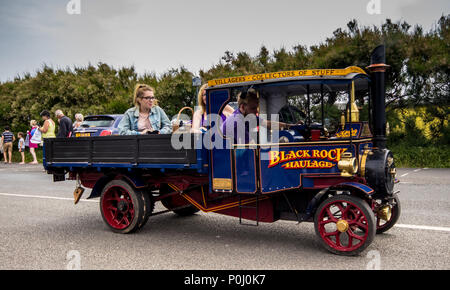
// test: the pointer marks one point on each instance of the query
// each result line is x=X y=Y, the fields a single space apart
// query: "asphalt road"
x=41 y=229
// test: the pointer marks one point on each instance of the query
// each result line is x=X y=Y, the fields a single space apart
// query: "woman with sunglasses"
x=146 y=117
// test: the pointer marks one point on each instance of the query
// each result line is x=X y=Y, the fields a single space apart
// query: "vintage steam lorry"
x=343 y=182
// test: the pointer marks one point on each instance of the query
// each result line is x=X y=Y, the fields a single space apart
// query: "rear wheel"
x=345 y=224
x=122 y=207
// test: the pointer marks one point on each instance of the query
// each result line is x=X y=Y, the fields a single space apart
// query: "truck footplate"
x=255 y=207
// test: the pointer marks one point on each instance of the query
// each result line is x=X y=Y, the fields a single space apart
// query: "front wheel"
x=345 y=224
x=122 y=207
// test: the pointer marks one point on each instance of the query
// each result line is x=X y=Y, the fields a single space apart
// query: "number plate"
x=82 y=134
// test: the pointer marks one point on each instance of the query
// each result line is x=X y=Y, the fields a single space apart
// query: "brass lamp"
x=348 y=165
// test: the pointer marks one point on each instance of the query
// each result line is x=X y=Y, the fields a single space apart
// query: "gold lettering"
x=273 y=158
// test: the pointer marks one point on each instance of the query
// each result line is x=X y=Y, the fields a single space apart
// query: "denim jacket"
x=159 y=120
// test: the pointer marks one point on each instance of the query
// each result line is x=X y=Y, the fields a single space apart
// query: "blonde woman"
x=78 y=120
x=33 y=146
x=146 y=117
x=200 y=118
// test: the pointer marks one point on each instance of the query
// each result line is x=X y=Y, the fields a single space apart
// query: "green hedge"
x=433 y=156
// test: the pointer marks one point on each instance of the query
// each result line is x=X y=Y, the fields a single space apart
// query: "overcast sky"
x=156 y=35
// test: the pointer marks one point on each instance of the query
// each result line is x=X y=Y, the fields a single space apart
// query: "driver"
x=247 y=114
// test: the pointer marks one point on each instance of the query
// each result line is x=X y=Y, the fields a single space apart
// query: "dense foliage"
x=418 y=75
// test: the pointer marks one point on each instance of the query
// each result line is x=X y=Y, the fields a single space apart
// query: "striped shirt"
x=7 y=137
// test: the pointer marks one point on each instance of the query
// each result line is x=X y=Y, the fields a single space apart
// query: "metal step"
x=256 y=207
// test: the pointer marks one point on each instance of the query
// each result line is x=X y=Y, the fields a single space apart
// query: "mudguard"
x=357 y=188
x=134 y=181
x=354 y=185
x=99 y=185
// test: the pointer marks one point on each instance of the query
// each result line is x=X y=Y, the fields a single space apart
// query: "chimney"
x=377 y=70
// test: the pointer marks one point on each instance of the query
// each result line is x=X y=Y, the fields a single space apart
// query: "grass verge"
x=433 y=156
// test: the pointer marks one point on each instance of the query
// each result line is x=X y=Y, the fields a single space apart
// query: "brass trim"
x=348 y=165
x=342 y=226
x=362 y=167
x=353 y=110
x=222 y=183
x=385 y=213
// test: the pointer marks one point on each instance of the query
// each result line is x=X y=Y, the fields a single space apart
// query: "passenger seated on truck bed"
x=200 y=119
x=248 y=103
x=146 y=117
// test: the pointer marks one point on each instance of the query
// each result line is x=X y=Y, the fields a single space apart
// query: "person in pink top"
x=33 y=146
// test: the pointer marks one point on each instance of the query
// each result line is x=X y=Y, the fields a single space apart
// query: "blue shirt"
x=158 y=119
x=7 y=137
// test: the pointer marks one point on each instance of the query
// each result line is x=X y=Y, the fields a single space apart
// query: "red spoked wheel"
x=122 y=207
x=345 y=224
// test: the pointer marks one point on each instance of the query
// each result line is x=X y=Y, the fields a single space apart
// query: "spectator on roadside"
x=65 y=125
x=21 y=146
x=78 y=120
x=48 y=129
x=7 y=142
x=33 y=146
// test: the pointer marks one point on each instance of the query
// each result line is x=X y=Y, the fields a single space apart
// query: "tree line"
x=418 y=76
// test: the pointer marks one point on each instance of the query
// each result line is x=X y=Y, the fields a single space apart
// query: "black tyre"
x=149 y=205
x=345 y=224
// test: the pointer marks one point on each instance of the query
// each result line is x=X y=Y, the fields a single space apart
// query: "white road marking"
x=415 y=170
x=417 y=227
x=414 y=227
x=44 y=197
